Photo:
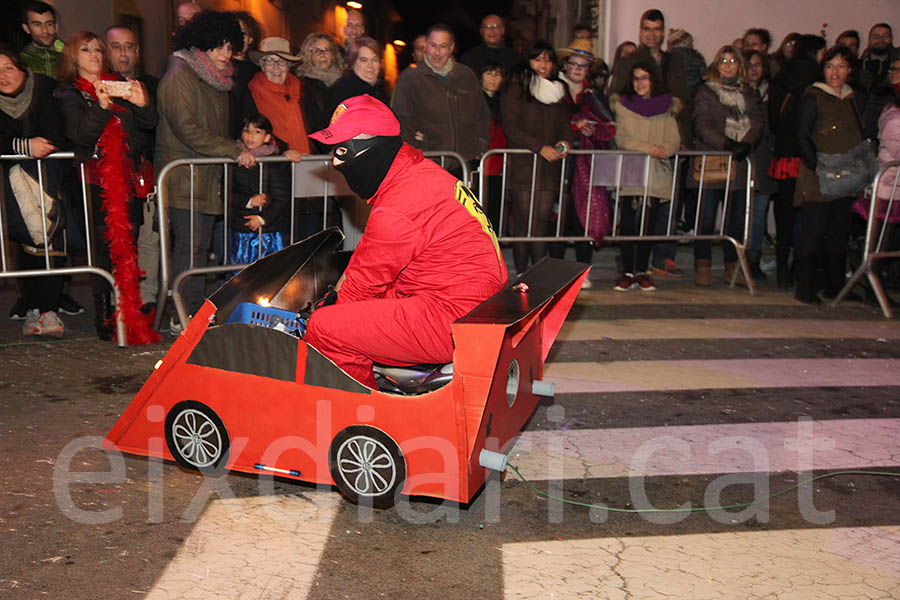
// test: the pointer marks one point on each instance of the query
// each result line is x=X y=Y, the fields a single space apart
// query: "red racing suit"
x=427 y=257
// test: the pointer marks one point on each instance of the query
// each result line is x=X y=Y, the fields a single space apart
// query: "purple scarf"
x=648 y=107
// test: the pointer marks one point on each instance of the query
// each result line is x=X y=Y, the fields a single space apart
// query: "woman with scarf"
x=592 y=122
x=100 y=119
x=363 y=74
x=321 y=65
x=275 y=93
x=30 y=125
x=193 y=123
x=727 y=115
x=828 y=121
x=535 y=117
x=645 y=122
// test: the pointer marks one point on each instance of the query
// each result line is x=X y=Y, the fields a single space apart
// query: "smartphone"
x=119 y=89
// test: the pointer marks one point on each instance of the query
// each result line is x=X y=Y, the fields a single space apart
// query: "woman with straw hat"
x=275 y=92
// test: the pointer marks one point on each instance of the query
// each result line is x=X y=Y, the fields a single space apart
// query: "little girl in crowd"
x=260 y=204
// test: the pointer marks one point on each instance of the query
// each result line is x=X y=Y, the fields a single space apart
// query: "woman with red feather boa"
x=106 y=121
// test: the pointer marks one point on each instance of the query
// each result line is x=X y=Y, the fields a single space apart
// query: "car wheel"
x=196 y=437
x=367 y=466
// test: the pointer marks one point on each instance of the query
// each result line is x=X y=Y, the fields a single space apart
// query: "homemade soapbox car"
x=240 y=389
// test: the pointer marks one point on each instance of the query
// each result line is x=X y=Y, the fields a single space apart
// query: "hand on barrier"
x=293 y=156
x=40 y=147
x=739 y=150
x=258 y=200
x=246 y=159
x=551 y=154
x=254 y=222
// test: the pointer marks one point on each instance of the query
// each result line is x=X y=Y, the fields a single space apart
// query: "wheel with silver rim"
x=367 y=466
x=196 y=437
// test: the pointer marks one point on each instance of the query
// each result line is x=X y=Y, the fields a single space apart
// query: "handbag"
x=846 y=174
x=27 y=193
x=716 y=170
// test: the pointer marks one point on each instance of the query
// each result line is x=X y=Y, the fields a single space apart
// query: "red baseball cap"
x=360 y=114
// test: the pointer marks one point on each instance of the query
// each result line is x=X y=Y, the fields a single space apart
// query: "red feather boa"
x=115 y=176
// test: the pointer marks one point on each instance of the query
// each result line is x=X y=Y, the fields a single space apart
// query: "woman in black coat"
x=785 y=93
x=30 y=125
x=363 y=74
x=99 y=117
x=321 y=65
x=536 y=117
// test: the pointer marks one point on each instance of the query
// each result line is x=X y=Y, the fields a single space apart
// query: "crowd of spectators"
x=229 y=91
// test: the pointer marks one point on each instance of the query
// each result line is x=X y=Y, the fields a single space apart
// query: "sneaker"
x=586 y=284
x=51 y=324
x=19 y=311
x=643 y=282
x=68 y=305
x=32 y=324
x=669 y=269
x=625 y=283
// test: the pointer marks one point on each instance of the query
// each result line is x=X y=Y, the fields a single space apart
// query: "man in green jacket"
x=43 y=52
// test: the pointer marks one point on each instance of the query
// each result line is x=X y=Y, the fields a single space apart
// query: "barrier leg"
x=851 y=283
x=743 y=265
x=875 y=282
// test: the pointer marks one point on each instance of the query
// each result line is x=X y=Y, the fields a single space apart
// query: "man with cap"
x=427 y=257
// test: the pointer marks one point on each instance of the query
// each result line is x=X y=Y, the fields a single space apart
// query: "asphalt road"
x=694 y=366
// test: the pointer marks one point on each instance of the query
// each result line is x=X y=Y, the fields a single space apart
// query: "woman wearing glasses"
x=592 y=122
x=727 y=115
x=645 y=122
x=275 y=93
x=321 y=65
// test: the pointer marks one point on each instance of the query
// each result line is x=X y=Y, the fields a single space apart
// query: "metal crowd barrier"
x=311 y=177
x=671 y=234
x=48 y=270
x=874 y=246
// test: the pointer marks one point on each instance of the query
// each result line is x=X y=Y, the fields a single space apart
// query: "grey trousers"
x=185 y=248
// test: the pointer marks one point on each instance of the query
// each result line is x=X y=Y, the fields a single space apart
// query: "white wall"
x=714 y=23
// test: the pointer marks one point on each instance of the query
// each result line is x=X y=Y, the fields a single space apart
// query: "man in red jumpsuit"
x=427 y=257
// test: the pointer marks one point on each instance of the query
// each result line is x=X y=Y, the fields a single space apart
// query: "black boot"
x=754 y=257
x=103 y=321
x=836 y=277
x=784 y=276
x=805 y=268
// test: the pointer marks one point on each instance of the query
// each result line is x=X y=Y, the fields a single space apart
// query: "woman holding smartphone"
x=102 y=113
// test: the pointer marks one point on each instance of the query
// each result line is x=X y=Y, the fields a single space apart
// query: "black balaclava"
x=366 y=162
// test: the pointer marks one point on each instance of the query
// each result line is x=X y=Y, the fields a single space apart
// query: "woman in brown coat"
x=727 y=115
x=828 y=120
x=535 y=117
